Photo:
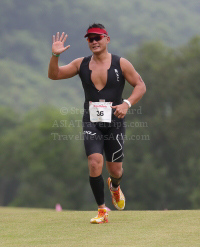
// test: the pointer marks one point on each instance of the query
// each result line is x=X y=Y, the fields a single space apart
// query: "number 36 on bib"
x=100 y=111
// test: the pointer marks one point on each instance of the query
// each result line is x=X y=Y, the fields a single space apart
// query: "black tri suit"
x=103 y=136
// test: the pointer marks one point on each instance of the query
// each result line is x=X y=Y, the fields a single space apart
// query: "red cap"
x=96 y=30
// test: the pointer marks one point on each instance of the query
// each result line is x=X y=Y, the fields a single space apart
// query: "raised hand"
x=58 y=43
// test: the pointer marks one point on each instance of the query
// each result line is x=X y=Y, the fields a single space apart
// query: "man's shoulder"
x=116 y=60
x=115 y=56
x=85 y=60
x=119 y=58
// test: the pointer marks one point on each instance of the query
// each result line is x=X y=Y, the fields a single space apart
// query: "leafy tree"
x=164 y=167
x=8 y=122
x=51 y=157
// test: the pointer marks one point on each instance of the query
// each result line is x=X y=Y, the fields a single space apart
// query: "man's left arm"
x=135 y=80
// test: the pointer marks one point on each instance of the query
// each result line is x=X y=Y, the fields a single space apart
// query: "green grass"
x=21 y=227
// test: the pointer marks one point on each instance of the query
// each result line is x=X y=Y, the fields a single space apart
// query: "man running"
x=103 y=77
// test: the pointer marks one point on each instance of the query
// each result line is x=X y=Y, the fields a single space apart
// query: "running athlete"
x=103 y=77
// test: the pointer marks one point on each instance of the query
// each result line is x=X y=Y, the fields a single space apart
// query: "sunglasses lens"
x=97 y=38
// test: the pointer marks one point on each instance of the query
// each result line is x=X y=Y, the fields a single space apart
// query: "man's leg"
x=116 y=172
x=94 y=143
x=95 y=164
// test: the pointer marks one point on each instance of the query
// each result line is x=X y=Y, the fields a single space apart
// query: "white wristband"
x=128 y=102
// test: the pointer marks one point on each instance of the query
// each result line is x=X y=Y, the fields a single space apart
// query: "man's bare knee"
x=115 y=169
x=95 y=164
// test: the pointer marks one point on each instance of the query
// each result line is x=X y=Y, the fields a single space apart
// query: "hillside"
x=27 y=28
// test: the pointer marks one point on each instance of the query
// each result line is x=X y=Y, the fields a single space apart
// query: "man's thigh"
x=93 y=139
x=114 y=145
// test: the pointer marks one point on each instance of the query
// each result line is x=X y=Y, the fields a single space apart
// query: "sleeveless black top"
x=112 y=92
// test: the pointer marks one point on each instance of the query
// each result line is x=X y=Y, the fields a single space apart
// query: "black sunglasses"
x=96 y=38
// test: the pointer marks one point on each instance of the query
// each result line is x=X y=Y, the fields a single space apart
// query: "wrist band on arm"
x=55 y=55
x=128 y=102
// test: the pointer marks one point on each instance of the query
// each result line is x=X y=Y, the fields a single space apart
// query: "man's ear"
x=108 y=39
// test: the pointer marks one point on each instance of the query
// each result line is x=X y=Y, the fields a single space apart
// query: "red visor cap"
x=96 y=31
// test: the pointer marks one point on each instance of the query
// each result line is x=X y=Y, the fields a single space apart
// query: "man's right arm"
x=63 y=72
x=55 y=72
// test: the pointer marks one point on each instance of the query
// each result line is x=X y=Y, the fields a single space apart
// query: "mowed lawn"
x=22 y=227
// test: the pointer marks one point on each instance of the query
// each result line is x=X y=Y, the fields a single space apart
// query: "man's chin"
x=96 y=51
x=99 y=50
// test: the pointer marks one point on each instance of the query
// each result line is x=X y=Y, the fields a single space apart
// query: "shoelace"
x=116 y=194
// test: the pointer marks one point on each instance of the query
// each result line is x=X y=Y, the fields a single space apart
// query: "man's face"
x=98 y=42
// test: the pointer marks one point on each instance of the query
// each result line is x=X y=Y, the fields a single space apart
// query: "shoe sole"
x=105 y=221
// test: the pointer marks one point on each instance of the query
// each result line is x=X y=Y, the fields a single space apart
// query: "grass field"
x=21 y=227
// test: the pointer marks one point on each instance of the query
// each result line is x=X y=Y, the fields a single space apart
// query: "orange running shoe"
x=118 y=198
x=102 y=217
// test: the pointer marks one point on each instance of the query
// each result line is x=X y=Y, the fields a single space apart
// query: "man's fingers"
x=119 y=114
x=67 y=47
x=62 y=36
x=116 y=113
x=65 y=38
x=53 y=39
x=57 y=36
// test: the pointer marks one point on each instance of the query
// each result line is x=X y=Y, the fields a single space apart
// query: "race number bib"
x=100 y=111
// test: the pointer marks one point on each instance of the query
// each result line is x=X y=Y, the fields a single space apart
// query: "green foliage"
x=27 y=28
x=48 y=160
x=28 y=89
x=164 y=167
x=8 y=168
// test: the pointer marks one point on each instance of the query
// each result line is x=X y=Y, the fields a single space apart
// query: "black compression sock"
x=97 y=185
x=116 y=181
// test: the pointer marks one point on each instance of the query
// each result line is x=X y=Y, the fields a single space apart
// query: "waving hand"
x=58 y=43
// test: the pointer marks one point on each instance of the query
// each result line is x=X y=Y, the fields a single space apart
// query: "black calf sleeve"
x=97 y=185
x=116 y=181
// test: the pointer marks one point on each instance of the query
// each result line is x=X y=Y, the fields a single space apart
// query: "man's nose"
x=94 y=41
